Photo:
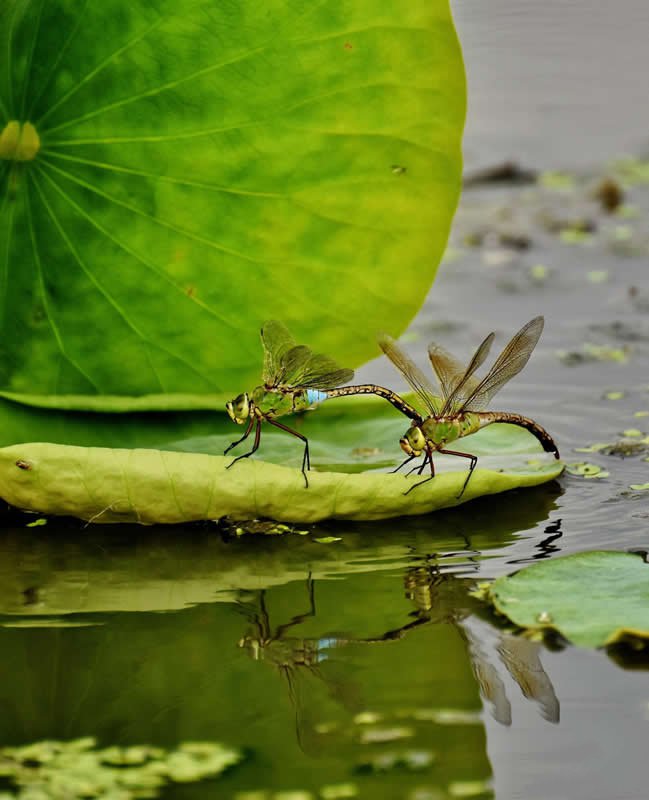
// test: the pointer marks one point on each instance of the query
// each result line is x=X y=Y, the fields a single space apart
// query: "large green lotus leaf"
x=166 y=486
x=593 y=599
x=206 y=165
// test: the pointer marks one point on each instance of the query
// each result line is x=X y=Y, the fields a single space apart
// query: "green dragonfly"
x=455 y=409
x=295 y=379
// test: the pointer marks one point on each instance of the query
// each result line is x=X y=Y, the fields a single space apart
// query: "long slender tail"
x=387 y=394
x=487 y=417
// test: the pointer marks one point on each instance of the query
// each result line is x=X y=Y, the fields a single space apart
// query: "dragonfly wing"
x=301 y=368
x=423 y=388
x=465 y=384
x=277 y=342
x=449 y=370
x=318 y=371
x=509 y=363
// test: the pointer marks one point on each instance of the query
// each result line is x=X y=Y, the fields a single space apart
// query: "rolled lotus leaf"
x=157 y=486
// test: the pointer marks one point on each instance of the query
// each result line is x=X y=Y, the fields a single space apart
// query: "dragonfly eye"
x=239 y=408
x=414 y=442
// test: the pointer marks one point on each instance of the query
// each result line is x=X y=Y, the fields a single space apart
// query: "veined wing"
x=459 y=380
x=313 y=370
x=509 y=363
x=277 y=342
x=293 y=365
x=424 y=389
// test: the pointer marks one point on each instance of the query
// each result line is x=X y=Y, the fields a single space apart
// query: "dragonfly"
x=295 y=379
x=455 y=408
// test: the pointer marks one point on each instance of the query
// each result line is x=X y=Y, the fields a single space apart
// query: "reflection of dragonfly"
x=457 y=410
x=294 y=657
x=440 y=597
x=294 y=379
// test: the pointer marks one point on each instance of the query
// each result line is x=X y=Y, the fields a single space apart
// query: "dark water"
x=365 y=661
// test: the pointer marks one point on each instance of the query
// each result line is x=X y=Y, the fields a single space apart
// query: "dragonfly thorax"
x=441 y=430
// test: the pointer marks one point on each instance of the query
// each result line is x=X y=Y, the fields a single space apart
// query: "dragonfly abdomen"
x=547 y=442
x=315 y=396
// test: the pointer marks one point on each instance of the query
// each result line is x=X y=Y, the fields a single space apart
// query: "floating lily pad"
x=593 y=599
x=583 y=469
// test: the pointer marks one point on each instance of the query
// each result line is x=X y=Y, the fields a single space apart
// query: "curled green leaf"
x=154 y=486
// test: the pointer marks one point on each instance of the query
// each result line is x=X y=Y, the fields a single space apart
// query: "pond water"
x=363 y=665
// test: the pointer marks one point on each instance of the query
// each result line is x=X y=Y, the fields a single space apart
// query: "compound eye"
x=241 y=403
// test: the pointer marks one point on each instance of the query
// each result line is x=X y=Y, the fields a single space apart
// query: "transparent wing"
x=521 y=657
x=509 y=363
x=449 y=370
x=276 y=341
x=313 y=370
x=463 y=384
x=424 y=389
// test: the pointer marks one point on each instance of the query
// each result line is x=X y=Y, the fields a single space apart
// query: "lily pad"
x=174 y=173
x=593 y=599
x=162 y=486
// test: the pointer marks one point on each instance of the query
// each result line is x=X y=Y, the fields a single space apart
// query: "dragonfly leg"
x=299 y=618
x=403 y=464
x=474 y=461
x=254 y=446
x=428 y=458
x=251 y=422
x=306 y=459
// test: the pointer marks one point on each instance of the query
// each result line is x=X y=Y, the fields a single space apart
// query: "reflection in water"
x=521 y=657
x=546 y=547
x=439 y=597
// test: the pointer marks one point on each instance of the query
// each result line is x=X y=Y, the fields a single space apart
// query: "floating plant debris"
x=75 y=770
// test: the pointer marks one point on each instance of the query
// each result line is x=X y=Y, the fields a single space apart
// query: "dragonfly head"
x=239 y=408
x=414 y=442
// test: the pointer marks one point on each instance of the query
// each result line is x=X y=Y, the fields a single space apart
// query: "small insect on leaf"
x=23 y=464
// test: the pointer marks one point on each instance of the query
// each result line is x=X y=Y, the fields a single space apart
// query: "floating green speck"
x=593 y=448
x=37 y=523
x=339 y=791
x=585 y=470
x=597 y=275
x=556 y=180
x=539 y=272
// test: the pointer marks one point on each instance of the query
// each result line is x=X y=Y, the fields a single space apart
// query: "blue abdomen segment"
x=314 y=396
